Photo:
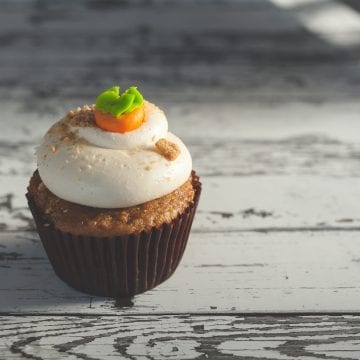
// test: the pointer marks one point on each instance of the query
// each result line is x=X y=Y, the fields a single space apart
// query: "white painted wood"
x=270 y=112
x=333 y=21
x=245 y=120
x=238 y=203
x=179 y=337
x=226 y=272
x=249 y=145
x=252 y=50
x=165 y=14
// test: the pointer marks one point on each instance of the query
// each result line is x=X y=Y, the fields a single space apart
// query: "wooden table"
x=266 y=95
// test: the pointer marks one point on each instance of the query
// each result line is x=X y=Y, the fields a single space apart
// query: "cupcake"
x=114 y=195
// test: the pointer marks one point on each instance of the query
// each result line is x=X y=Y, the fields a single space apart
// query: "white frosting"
x=112 y=170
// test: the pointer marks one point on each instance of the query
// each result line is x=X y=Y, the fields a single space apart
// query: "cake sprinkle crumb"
x=168 y=149
x=82 y=116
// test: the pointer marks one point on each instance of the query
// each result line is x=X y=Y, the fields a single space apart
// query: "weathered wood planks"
x=237 y=272
x=253 y=49
x=268 y=105
x=255 y=203
x=180 y=337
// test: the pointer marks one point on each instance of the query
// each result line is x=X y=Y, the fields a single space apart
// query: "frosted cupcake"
x=114 y=195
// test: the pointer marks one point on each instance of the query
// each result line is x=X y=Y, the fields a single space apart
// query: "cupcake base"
x=117 y=266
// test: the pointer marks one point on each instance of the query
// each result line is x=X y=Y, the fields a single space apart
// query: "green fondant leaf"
x=112 y=101
x=122 y=105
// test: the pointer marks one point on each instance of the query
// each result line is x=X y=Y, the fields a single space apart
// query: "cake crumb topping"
x=82 y=116
x=168 y=149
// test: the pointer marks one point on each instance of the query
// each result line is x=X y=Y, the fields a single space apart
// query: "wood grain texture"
x=180 y=337
x=220 y=272
x=301 y=154
x=231 y=203
x=266 y=97
x=187 y=50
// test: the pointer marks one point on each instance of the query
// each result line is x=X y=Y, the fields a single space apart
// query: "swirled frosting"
x=81 y=163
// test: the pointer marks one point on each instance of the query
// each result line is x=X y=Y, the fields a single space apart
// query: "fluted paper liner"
x=117 y=266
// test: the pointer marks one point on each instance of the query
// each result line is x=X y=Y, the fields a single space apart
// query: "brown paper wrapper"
x=117 y=266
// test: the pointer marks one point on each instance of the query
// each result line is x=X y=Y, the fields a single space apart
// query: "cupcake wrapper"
x=117 y=266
